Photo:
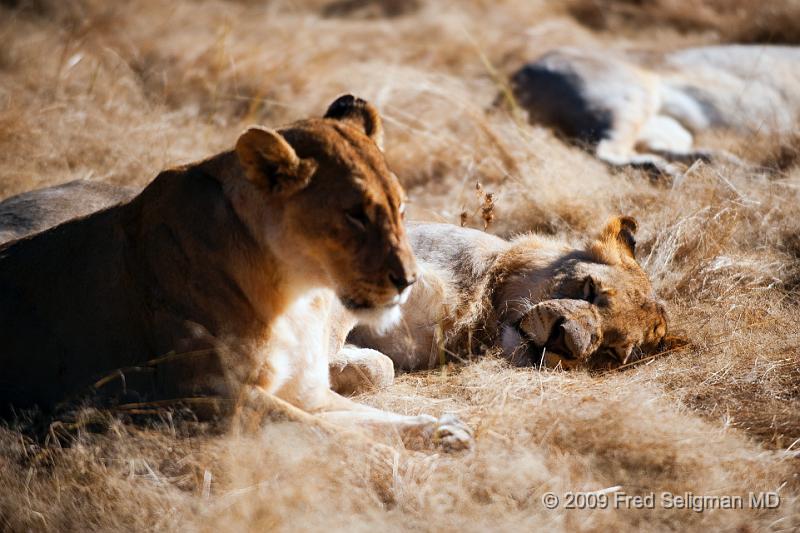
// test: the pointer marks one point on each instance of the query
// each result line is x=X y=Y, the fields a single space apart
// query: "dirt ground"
x=117 y=91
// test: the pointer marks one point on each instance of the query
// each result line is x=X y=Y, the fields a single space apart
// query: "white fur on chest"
x=298 y=350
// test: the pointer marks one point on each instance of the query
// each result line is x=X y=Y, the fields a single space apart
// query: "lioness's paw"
x=452 y=434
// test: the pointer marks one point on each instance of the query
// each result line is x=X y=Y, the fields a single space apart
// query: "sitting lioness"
x=219 y=280
x=642 y=108
x=539 y=300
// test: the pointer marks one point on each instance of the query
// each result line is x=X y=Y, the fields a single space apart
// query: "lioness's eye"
x=357 y=217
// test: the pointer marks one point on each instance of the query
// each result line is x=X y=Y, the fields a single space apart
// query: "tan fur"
x=644 y=108
x=541 y=300
x=220 y=279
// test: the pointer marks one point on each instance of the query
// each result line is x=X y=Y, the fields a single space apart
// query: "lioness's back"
x=97 y=273
x=38 y=320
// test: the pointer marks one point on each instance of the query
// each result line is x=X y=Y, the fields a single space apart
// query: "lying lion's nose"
x=401 y=282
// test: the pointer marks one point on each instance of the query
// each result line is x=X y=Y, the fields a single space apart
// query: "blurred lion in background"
x=645 y=108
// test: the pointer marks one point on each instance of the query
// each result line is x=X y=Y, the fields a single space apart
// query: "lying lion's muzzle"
x=570 y=328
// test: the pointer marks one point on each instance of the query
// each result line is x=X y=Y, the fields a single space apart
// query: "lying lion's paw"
x=452 y=434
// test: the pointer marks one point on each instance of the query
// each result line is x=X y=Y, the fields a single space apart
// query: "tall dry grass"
x=118 y=91
x=726 y=20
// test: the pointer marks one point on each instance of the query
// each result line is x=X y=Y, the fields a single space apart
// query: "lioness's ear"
x=271 y=163
x=359 y=113
x=619 y=232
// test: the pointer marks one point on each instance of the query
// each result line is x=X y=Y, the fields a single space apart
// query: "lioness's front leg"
x=354 y=370
x=256 y=406
x=416 y=431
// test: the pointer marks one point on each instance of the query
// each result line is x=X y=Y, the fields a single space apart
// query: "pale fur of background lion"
x=638 y=108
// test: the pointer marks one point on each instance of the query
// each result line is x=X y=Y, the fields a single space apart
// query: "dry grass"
x=117 y=91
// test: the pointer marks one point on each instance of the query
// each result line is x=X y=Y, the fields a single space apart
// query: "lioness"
x=642 y=108
x=219 y=279
x=540 y=300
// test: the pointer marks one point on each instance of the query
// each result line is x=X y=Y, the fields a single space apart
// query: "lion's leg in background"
x=665 y=137
x=664 y=134
x=651 y=163
x=355 y=370
x=619 y=148
x=706 y=155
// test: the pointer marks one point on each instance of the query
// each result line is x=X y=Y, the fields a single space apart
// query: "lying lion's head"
x=598 y=302
x=336 y=209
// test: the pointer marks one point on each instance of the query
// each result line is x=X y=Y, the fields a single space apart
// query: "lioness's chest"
x=295 y=360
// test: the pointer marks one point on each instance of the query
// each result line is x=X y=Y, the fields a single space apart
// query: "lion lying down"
x=644 y=108
x=539 y=300
x=219 y=280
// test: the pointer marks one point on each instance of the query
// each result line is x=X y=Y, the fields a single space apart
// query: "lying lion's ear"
x=359 y=113
x=271 y=163
x=619 y=232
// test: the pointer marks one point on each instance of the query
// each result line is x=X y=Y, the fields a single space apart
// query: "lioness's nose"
x=402 y=281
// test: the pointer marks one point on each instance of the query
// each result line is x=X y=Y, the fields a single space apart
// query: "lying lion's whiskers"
x=647 y=359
